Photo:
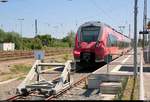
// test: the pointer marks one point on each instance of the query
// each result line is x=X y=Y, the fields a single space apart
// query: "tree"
x=45 y=39
x=36 y=44
x=70 y=38
x=2 y=35
x=14 y=38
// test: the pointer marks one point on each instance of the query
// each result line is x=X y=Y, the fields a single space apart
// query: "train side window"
x=113 y=40
x=121 y=45
x=108 y=41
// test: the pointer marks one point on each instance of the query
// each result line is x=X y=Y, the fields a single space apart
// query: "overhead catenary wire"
x=100 y=9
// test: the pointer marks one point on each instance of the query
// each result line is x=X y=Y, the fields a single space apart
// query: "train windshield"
x=89 y=34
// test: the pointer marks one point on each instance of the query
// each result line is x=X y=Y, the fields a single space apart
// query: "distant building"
x=7 y=46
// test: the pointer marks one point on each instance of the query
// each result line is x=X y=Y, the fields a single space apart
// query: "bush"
x=38 y=42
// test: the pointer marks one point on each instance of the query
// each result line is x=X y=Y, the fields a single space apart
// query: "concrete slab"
x=107 y=96
x=123 y=66
x=95 y=80
x=113 y=74
x=110 y=87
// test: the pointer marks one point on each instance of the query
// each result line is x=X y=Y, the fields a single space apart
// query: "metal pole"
x=135 y=38
x=129 y=30
x=107 y=66
x=36 y=30
x=21 y=30
x=21 y=33
x=21 y=25
x=144 y=22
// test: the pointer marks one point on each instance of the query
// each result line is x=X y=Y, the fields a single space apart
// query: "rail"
x=68 y=88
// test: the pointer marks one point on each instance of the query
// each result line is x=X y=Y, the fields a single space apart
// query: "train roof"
x=100 y=24
x=92 y=23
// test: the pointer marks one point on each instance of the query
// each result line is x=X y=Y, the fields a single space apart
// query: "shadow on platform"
x=131 y=69
x=90 y=92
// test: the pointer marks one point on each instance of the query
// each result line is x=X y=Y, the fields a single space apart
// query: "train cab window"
x=90 y=33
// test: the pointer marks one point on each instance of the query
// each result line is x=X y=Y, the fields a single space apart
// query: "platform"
x=121 y=67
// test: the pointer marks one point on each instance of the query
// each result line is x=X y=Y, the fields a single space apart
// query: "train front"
x=88 y=47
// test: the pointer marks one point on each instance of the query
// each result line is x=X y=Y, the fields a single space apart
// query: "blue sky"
x=57 y=17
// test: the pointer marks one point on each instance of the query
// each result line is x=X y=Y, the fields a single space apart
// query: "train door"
x=112 y=43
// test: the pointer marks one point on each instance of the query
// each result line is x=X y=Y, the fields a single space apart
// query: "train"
x=97 y=42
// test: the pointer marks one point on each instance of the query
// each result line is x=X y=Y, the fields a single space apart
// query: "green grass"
x=9 y=77
x=65 y=57
x=15 y=71
x=20 y=69
x=131 y=90
x=85 y=86
x=21 y=78
x=121 y=90
x=136 y=90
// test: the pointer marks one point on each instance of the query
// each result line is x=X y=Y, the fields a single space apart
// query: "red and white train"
x=96 y=42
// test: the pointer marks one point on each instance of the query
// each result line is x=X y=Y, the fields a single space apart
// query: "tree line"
x=38 y=42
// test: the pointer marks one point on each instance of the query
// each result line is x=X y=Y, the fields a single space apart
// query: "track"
x=12 y=55
x=75 y=91
x=78 y=89
x=36 y=96
x=79 y=80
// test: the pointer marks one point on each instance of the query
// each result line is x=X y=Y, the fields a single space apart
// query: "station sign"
x=39 y=54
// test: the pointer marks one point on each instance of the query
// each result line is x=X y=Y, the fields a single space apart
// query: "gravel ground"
x=8 y=90
x=80 y=93
x=77 y=93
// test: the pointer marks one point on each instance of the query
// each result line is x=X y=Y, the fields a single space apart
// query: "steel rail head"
x=68 y=88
